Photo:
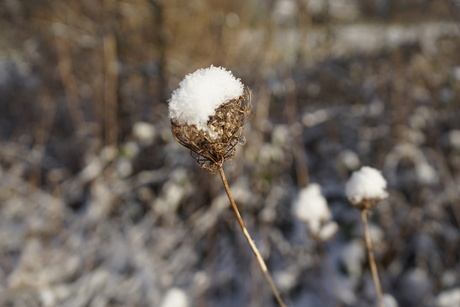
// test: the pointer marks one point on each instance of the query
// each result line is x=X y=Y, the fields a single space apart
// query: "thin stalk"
x=256 y=252
x=370 y=254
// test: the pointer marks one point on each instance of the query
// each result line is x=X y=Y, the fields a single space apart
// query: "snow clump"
x=175 y=297
x=201 y=93
x=366 y=184
x=311 y=207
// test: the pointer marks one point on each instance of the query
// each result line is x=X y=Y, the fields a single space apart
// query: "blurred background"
x=99 y=206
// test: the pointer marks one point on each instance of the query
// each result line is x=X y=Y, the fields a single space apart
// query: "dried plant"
x=364 y=190
x=213 y=146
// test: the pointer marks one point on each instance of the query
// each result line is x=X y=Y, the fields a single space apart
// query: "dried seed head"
x=213 y=146
x=200 y=93
x=366 y=203
x=366 y=188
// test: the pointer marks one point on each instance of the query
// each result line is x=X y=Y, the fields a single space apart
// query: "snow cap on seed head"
x=201 y=93
x=366 y=187
x=208 y=112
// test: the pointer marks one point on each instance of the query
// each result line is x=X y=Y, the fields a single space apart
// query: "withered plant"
x=365 y=189
x=212 y=147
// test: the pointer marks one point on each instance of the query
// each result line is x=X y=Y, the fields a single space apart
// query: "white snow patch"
x=175 y=297
x=389 y=300
x=449 y=298
x=201 y=93
x=311 y=208
x=286 y=280
x=328 y=231
x=144 y=132
x=426 y=173
x=367 y=183
x=454 y=139
x=349 y=159
x=352 y=257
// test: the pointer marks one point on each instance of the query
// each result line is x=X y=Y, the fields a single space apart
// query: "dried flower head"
x=366 y=188
x=212 y=143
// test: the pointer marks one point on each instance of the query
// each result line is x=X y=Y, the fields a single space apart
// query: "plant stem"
x=256 y=252
x=370 y=254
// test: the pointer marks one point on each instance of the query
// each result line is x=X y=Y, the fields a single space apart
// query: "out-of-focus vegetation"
x=99 y=206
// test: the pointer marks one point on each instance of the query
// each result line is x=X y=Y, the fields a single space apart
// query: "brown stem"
x=256 y=252
x=110 y=89
x=370 y=254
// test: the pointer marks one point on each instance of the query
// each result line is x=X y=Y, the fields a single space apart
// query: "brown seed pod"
x=366 y=203
x=213 y=147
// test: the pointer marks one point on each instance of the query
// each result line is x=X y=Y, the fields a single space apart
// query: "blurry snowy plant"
x=207 y=113
x=311 y=207
x=366 y=188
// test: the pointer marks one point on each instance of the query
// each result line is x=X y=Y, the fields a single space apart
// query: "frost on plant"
x=311 y=207
x=207 y=114
x=366 y=187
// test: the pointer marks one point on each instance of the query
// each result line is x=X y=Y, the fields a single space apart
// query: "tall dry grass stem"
x=370 y=254
x=254 y=248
